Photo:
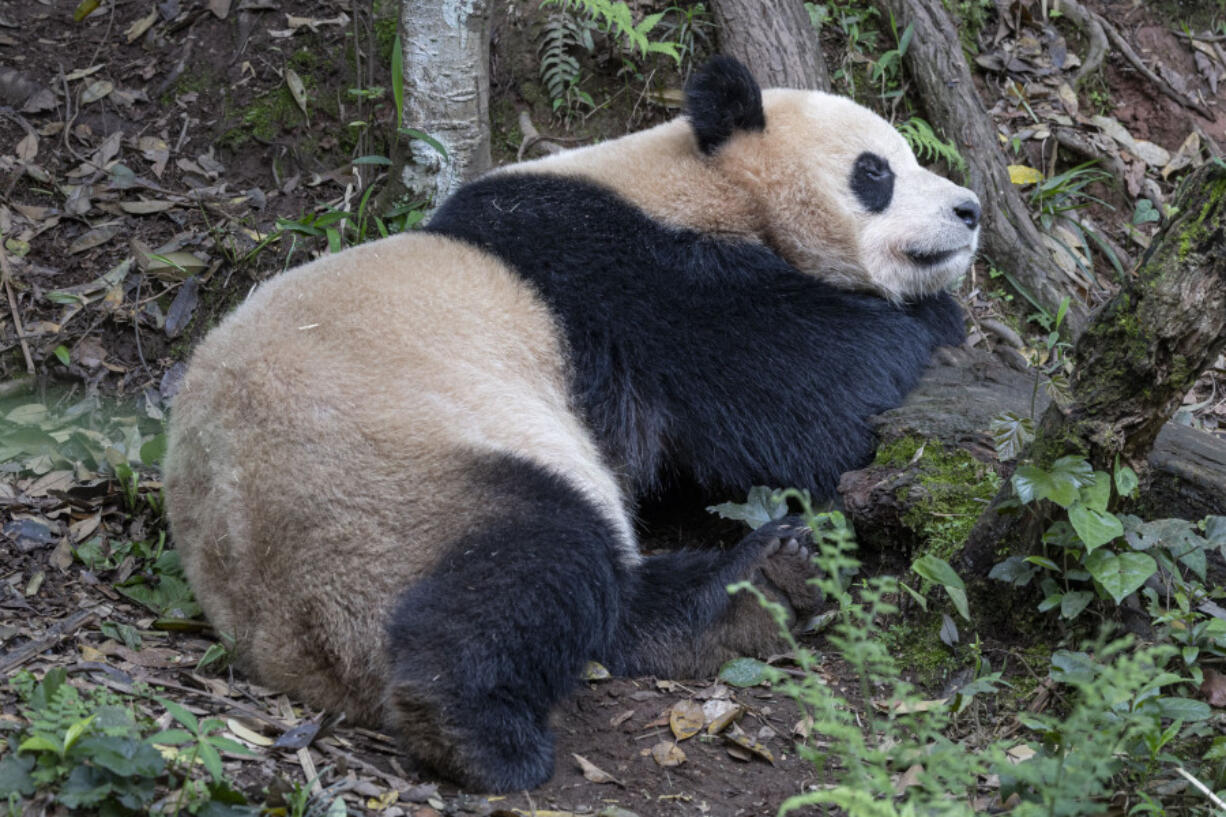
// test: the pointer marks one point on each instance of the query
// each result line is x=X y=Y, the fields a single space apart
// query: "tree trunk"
x=446 y=82
x=1134 y=363
x=775 y=40
x=1010 y=239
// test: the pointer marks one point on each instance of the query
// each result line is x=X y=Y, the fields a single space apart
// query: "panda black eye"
x=872 y=181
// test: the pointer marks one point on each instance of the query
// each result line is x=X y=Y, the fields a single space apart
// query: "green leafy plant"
x=617 y=20
x=1115 y=732
x=886 y=70
x=859 y=23
x=1093 y=554
x=563 y=34
x=571 y=32
x=96 y=752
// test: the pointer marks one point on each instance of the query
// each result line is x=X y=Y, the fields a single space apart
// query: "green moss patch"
x=949 y=492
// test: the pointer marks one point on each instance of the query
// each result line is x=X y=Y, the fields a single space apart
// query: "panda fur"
x=402 y=477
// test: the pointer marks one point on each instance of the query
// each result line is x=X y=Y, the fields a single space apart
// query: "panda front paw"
x=786 y=566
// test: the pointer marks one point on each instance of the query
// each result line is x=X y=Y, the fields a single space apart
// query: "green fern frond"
x=928 y=146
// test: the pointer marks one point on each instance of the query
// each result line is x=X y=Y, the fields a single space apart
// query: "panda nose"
x=968 y=211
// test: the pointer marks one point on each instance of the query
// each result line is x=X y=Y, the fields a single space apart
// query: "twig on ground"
x=1077 y=141
x=1201 y=787
x=8 y=288
x=62 y=629
x=356 y=762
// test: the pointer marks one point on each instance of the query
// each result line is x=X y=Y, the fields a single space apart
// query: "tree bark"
x=1134 y=363
x=936 y=64
x=775 y=40
x=446 y=81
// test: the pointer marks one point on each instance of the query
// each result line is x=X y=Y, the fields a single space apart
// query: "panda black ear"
x=722 y=98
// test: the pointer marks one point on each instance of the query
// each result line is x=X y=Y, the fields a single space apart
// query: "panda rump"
x=402 y=477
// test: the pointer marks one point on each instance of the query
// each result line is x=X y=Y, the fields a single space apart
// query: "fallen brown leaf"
x=594 y=773
x=667 y=754
x=1213 y=688
x=685 y=719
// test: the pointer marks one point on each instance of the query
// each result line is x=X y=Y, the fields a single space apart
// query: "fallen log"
x=899 y=502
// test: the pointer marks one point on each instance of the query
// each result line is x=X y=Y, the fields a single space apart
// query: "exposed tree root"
x=1090 y=26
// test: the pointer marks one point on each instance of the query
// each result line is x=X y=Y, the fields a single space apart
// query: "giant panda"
x=403 y=478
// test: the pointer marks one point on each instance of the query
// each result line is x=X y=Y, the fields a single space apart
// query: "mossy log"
x=943 y=79
x=903 y=501
x=1133 y=365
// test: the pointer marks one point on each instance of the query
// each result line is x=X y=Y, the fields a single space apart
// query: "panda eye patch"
x=872 y=181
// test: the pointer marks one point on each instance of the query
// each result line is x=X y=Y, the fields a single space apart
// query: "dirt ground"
x=146 y=155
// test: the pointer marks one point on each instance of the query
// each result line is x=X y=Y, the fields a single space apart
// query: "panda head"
x=835 y=189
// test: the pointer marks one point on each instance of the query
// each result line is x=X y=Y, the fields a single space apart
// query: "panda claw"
x=772 y=546
x=790 y=547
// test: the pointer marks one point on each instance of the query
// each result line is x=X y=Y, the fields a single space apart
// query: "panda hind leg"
x=678 y=620
x=484 y=645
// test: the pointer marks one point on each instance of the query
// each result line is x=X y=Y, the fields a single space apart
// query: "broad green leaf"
x=180 y=714
x=211 y=760
x=1043 y=561
x=172 y=737
x=1061 y=534
x=761 y=506
x=1097 y=494
x=15 y=776
x=398 y=80
x=1068 y=667
x=1051 y=602
x=919 y=599
x=1030 y=483
x=1014 y=571
x=1068 y=475
x=745 y=672
x=232 y=746
x=1073 y=603
x=958 y=596
x=427 y=138
x=1184 y=709
x=1126 y=481
x=1061 y=484
x=126 y=757
x=937 y=570
x=1215 y=529
x=949 y=631
x=1120 y=575
x=39 y=743
x=74 y=732
x=61 y=354
x=152 y=451
x=86 y=786
x=905 y=40
x=1010 y=434
x=1096 y=528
